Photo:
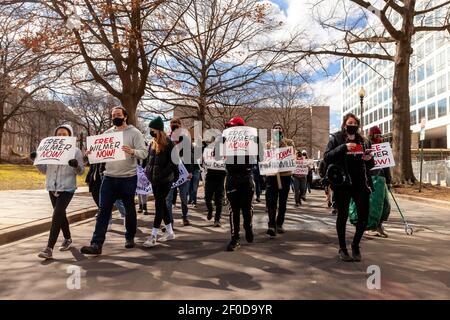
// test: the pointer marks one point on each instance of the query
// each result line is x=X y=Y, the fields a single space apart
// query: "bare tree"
x=221 y=63
x=382 y=30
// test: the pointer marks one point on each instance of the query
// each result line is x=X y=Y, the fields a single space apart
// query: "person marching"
x=119 y=182
x=349 y=161
x=162 y=172
x=214 y=188
x=276 y=195
x=240 y=189
x=299 y=184
x=61 y=183
x=142 y=198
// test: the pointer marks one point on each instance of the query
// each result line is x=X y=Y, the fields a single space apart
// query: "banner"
x=183 y=176
x=144 y=186
x=383 y=156
x=240 y=141
x=56 y=150
x=210 y=161
x=105 y=147
x=302 y=167
x=278 y=160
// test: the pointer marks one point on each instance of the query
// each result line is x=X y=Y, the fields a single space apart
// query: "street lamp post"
x=362 y=93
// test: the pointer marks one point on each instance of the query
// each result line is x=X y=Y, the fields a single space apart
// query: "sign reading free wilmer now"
x=105 y=147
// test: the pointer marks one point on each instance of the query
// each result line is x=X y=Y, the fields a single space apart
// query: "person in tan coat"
x=277 y=185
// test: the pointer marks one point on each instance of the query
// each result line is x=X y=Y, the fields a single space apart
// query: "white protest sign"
x=183 y=176
x=56 y=150
x=240 y=141
x=383 y=156
x=301 y=168
x=144 y=186
x=277 y=160
x=210 y=161
x=105 y=147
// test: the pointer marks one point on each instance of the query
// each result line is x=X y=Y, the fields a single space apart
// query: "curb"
x=29 y=229
x=439 y=203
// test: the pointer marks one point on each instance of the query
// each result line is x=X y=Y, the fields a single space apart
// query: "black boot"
x=92 y=249
x=146 y=213
x=344 y=256
x=234 y=244
x=356 y=253
x=140 y=208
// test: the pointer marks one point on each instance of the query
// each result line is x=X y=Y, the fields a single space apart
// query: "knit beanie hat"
x=157 y=124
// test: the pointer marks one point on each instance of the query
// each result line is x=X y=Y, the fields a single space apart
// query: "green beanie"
x=157 y=124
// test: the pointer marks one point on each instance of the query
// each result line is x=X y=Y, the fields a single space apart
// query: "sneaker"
x=150 y=242
x=92 y=249
x=194 y=205
x=271 y=233
x=129 y=244
x=47 y=253
x=249 y=235
x=344 y=256
x=356 y=253
x=65 y=245
x=167 y=237
x=280 y=230
x=217 y=224
x=209 y=216
x=234 y=245
x=186 y=222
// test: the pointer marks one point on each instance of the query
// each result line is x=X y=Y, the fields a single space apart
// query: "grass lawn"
x=26 y=177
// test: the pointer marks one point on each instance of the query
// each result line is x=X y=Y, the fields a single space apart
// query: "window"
x=370 y=117
x=442 y=107
x=381 y=127
x=421 y=94
x=366 y=119
x=413 y=117
x=412 y=97
x=386 y=111
x=431 y=89
x=441 y=84
x=440 y=61
x=430 y=67
x=375 y=116
x=386 y=128
x=420 y=73
x=380 y=113
x=385 y=95
x=380 y=97
x=412 y=77
x=421 y=114
x=420 y=51
x=431 y=110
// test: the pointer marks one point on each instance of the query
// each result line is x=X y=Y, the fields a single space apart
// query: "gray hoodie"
x=133 y=138
x=62 y=178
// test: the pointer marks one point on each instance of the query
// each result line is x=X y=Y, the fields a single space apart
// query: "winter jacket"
x=161 y=169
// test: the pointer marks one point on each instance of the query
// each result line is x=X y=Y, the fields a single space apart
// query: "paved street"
x=301 y=264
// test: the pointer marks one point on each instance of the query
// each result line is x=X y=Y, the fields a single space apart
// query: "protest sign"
x=183 y=176
x=105 y=147
x=210 y=161
x=383 y=156
x=240 y=141
x=144 y=186
x=302 y=168
x=56 y=150
x=356 y=150
x=277 y=160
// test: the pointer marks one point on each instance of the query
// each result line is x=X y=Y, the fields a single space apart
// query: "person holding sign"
x=379 y=201
x=61 y=184
x=349 y=162
x=162 y=172
x=277 y=185
x=119 y=182
x=299 y=179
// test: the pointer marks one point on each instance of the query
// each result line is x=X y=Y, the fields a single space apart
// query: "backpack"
x=322 y=168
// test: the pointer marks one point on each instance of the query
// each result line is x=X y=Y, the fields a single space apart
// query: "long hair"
x=359 y=136
x=159 y=143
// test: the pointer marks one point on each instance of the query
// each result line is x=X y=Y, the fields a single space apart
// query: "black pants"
x=214 y=188
x=160 y=192
x=361 y=198
x=95 y=192
x=59 y=219
x=276 y=197
x=240 y=191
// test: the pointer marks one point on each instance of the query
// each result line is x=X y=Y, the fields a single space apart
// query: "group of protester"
x=114 y=183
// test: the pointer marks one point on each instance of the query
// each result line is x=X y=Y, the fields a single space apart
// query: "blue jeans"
x=183 y=191
x=193 y=186
x=111 y=190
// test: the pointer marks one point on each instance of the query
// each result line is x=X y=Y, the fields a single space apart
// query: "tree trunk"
x=401 y=133
x=130 y=104
x=1 y=140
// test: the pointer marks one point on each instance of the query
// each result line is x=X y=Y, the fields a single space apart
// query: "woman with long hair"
x=349 y=162
x=161 y=171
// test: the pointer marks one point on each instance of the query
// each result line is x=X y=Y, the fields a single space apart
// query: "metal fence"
x=434 y=172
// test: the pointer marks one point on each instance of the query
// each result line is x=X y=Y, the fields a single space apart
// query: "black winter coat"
x=160 y=168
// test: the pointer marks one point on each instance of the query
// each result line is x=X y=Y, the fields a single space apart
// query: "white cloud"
x=329 y=92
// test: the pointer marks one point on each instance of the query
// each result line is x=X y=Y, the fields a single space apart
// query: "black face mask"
x=153 y=134
x=118 y=122
x=174 y=127
x=352 y=129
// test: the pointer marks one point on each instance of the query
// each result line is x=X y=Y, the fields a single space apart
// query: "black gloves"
x=73 y=163
x=33 y=155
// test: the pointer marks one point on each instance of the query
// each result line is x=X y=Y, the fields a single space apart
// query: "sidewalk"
x=27 y=212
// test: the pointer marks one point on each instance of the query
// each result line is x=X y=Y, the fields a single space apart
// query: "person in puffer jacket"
x=61 y=183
